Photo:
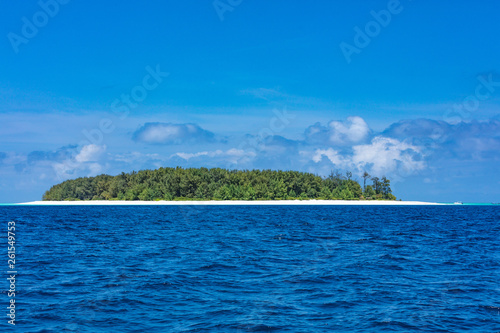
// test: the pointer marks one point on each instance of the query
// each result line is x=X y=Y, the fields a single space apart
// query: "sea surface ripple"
x=255 y=269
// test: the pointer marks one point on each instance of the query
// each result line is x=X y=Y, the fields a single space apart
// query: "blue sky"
x=406 y=89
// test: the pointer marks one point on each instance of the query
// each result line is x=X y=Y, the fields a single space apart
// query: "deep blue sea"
x=254 y=268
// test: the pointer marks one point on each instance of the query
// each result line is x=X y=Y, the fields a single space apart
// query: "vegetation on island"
x=221 y=184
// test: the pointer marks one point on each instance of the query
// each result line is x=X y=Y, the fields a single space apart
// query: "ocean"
x=252 y=269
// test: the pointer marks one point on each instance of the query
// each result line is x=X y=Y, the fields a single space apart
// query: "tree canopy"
x=218 y=184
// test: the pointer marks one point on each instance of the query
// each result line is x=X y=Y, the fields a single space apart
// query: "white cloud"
x=90 y=153
x=386 y=155
x=353 y=130
x=329 y=153
x=85 y=163
x=382 y=156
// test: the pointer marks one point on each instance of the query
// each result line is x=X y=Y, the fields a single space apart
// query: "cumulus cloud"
x=354 y=130
x=382 y=156
x=72 y=169
x=410 y=146
x=168 y=134
x=63 y=163
x=332 y=155
x=387 y=155
x=90 y=153
x=83 y=162
x=466 y=140
x=407 y=129
x=405 y=148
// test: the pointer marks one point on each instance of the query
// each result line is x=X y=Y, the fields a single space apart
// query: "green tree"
x=377 y=185
x=365 y=176
x=369 y=192
x=217 y=183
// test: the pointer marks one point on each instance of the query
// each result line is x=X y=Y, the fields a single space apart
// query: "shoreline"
x=232 y=203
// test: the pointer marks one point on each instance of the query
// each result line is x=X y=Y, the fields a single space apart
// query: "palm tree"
x=366 y=176
x=376 y=184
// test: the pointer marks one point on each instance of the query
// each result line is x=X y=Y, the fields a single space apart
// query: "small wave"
x=216 y=267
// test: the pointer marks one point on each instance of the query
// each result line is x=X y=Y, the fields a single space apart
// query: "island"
x=220 y=184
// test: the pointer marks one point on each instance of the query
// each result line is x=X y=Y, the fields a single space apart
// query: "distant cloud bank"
x=428 y=148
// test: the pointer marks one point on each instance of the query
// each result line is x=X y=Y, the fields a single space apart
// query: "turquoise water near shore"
x=256 y=269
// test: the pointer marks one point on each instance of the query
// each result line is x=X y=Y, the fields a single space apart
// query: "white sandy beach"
x=232 y=203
